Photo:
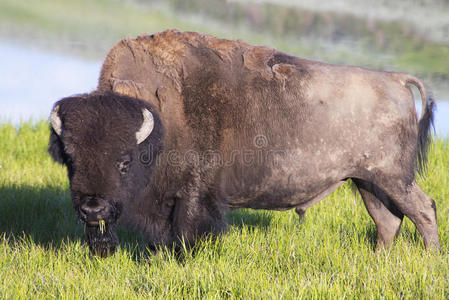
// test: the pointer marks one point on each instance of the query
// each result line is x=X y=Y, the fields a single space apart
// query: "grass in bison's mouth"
x=102 y=226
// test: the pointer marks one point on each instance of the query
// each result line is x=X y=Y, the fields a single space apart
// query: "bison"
x=184 y=126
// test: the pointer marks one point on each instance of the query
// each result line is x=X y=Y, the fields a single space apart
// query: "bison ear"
x=55 y=148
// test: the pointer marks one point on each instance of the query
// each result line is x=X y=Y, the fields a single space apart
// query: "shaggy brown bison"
x=184 y=126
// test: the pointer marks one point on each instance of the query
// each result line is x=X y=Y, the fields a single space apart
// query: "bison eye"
x=123 y=164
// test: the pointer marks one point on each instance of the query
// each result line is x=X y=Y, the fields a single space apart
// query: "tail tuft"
x=426 y=123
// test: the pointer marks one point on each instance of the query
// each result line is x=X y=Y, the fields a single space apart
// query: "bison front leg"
x=197 y=214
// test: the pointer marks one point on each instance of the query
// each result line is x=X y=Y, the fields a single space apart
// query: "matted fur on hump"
x=169 y=53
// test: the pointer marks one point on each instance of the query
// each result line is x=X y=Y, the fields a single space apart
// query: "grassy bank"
x=264 y=255
x=90 y=28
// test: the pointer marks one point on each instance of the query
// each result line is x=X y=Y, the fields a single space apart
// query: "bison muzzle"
x=184 y=126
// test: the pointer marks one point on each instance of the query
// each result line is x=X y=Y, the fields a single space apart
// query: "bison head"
x=100 y=137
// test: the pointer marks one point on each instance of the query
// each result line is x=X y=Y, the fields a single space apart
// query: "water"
x=32 y=80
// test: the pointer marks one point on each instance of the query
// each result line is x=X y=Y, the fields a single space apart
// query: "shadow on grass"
x=369 y=235
x=45 y=216
x=249 y=218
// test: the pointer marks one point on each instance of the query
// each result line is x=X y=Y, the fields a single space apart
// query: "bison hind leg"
x=410 y=199
x=386 y=215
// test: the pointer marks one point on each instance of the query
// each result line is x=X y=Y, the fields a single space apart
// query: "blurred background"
x=50 y=49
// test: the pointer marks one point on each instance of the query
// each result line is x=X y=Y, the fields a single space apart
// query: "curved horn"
x=55 y=121
x=147 y=126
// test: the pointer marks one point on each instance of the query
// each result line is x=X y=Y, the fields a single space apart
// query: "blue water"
x=32 y=80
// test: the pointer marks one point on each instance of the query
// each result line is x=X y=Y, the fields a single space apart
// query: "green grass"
x=265 y=254
x=430 y=58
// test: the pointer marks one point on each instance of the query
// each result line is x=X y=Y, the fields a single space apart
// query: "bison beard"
x=101 y=243
x=102 y=239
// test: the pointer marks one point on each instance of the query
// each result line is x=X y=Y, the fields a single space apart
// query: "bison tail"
x=426 y=122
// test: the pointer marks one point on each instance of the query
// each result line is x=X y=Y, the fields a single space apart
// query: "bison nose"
x=93 y=210
x=89 y=210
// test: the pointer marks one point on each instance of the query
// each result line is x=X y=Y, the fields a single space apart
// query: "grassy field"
x=269 y=255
